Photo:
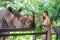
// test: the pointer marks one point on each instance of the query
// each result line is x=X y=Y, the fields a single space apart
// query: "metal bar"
x=56 y=36
x=2 y=35
x=46 y=35
x=15 y=29
x=35 y=37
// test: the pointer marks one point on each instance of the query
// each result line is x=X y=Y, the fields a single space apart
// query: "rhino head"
x=15 y=20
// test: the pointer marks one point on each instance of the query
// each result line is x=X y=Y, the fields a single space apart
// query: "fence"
x=20 y=34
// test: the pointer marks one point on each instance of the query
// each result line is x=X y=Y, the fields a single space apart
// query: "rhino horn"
x=32 y=17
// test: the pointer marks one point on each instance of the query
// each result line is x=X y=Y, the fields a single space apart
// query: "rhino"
x=11 y=18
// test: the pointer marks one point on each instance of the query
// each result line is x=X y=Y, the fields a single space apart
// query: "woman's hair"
x=46 y=12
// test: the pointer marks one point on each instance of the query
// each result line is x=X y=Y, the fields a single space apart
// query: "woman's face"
x=44 y=14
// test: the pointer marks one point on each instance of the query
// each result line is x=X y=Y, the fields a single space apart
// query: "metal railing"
x=20 y=34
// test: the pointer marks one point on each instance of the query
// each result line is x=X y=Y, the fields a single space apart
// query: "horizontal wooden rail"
x=16 y=29
x=21 y=34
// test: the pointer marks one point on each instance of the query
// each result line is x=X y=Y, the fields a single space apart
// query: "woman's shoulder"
x=48 y=18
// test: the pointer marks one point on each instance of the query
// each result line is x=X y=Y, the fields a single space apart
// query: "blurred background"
x=52 y=6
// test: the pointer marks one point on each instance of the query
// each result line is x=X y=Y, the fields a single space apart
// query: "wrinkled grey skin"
x=10 y=18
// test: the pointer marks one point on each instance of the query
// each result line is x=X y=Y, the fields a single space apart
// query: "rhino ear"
x=10 y=9
x=20 y=9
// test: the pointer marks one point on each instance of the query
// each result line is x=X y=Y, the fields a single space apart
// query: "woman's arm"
x=40 y=21
x=49 y=22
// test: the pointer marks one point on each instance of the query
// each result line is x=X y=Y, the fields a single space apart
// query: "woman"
x=46 y=22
